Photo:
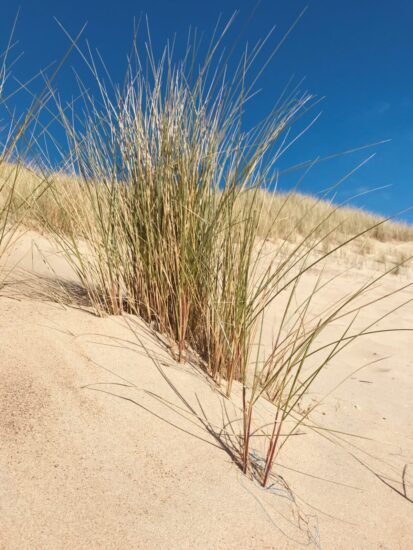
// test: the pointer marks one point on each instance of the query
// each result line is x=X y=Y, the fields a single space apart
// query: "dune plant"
x=5 y=192
x=23 y=188
x=10 y=135
x=159 y=169
x=164 y=197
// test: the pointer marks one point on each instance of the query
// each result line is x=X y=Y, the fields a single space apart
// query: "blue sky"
x=357 y=54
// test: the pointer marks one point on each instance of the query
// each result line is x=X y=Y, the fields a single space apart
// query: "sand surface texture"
x=106 y=443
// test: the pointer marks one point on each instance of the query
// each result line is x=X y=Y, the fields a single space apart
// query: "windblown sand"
x=105 y=442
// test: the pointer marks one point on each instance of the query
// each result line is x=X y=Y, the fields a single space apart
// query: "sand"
x=105 y=442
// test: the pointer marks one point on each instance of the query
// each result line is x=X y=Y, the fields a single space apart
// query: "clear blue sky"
x=356 y=53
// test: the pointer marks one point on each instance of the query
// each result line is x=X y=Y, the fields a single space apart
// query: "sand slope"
x=104 y=443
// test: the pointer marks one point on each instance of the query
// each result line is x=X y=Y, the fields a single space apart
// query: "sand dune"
x=107 y=443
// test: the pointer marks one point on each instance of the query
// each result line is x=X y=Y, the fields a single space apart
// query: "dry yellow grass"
x=387 y=244
x=301 y=213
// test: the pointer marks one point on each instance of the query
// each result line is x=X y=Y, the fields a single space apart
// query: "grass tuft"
x=163 y=210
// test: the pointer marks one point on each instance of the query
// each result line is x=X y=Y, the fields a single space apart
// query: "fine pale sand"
x=107 y=443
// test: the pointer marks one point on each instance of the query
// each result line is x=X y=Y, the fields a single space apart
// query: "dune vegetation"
x=162 y=208
x=301 y=213
x=11 y=211
x=6 y=190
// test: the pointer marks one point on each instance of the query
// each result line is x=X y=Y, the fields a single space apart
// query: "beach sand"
x=106 y=442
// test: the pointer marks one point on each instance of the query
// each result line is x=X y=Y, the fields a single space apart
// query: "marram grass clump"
x=162 y=207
